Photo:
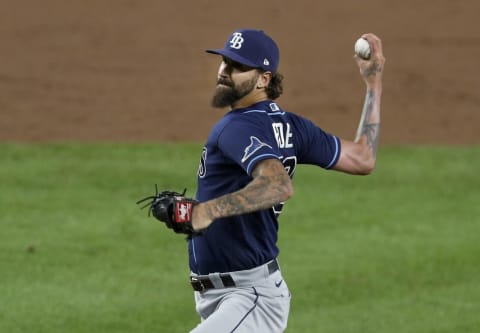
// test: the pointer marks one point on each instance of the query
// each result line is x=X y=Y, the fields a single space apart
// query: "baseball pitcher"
x=245 y=177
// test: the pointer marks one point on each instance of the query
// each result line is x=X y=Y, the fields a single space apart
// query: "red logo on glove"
x=183 y=211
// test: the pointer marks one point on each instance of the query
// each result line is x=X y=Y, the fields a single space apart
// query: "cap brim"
x=232 y=55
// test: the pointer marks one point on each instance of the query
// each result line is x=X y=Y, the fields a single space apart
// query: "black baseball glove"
x=172 y=208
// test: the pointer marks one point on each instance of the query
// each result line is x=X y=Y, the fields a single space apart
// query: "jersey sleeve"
x=247 y=143
x=318 y=147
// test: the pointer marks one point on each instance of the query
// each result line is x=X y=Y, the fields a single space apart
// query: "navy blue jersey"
x=241 y=139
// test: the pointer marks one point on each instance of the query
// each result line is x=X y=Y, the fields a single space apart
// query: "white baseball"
x=362 y=48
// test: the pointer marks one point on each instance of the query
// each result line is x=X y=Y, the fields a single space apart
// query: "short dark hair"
x=275 y=88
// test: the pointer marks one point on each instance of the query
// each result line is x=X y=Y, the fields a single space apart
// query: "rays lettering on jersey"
x=202 y=167
x=283 y=135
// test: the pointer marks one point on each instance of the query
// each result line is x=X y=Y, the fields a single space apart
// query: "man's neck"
x=254 y=97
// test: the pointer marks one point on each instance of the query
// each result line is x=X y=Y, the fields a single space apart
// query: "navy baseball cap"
x=251 y=47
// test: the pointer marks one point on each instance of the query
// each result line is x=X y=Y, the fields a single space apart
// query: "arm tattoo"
x=373 y=70
x=372 y=131
x=368 y=126
x=262 y=193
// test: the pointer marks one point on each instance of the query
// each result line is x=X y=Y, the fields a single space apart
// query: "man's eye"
x=236 y=65
x=241 y=67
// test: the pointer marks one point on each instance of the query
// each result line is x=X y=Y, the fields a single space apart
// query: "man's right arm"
x=271 y=185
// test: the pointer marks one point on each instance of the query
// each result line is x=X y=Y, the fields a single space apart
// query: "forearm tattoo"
x=368 y=126
x=262 y=193
x=373 y=70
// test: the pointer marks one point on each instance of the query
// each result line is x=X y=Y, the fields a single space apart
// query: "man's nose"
x=225 y=70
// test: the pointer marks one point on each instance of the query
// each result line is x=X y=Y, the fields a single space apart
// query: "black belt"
x=201 y=283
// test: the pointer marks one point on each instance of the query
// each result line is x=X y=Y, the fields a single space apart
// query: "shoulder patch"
x=255 y=144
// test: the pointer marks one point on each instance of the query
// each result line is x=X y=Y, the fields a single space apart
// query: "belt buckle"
x=197 y=284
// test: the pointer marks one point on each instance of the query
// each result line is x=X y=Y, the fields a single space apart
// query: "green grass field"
x=397 y=251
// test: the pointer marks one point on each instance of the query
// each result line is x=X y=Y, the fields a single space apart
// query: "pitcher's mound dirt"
x=136 y=71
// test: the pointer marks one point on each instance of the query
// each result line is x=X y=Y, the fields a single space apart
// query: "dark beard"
x=228 y=94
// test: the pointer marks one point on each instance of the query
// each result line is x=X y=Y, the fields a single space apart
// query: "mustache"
x=225 y=82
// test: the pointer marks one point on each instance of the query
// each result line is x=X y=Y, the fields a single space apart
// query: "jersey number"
x=289 y=163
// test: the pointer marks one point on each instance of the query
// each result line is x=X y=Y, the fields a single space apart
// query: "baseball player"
x=245 y=177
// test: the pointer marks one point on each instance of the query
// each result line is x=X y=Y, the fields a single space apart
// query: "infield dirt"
x=135 y=71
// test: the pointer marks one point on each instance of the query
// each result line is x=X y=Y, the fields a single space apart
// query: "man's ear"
x=264 y=79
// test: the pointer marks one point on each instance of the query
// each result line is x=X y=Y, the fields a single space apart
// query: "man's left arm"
x=359 y=156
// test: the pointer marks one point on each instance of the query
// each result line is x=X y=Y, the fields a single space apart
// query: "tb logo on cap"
x=236 y=41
